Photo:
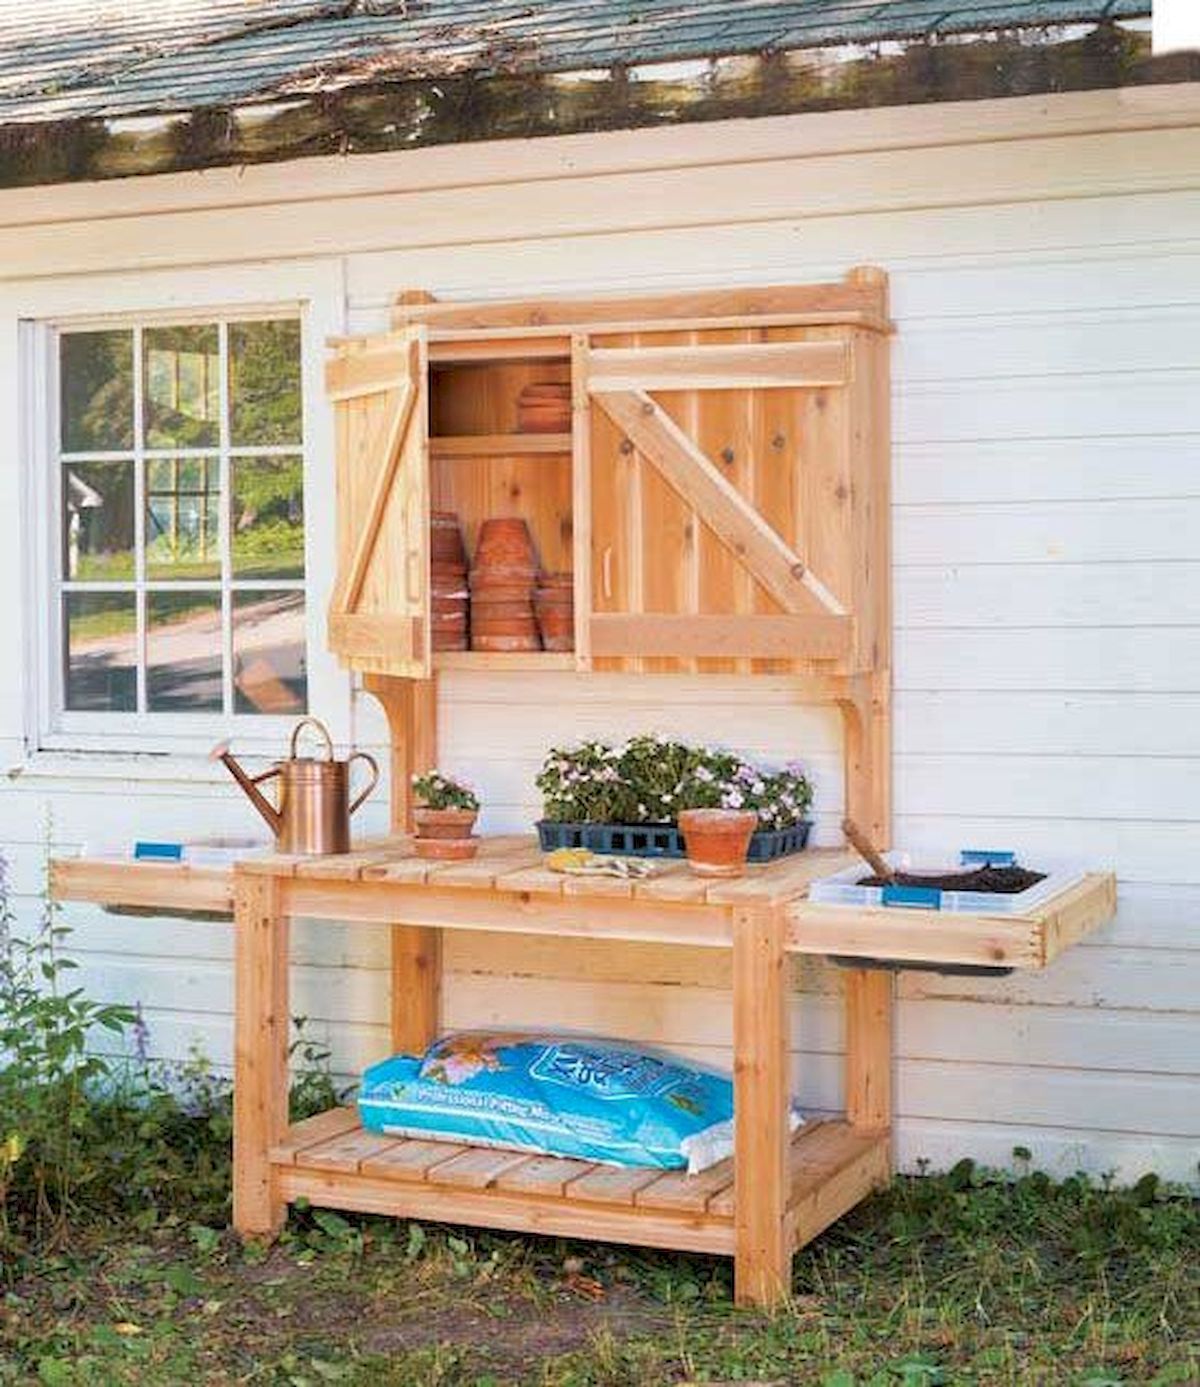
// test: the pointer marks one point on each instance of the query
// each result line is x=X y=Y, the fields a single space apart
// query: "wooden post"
x=869 y=994
x=762 y=1269
x=411 y=708
x=261 y=1027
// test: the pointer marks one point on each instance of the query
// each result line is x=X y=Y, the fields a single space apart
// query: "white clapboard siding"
x=1045 y=262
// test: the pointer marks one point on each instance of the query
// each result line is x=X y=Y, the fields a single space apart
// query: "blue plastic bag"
x=597 y=1100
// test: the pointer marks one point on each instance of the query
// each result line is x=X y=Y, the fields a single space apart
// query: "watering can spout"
x=250 y=785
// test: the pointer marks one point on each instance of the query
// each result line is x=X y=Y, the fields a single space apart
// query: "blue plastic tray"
x=661 y=840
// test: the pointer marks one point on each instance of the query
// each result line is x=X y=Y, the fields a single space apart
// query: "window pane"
x=96 y=391
x=97 y=521
x=264 y=383
x=101 y=632
x=269 y=666
x=267 y=528
x=183 y=518
x=183 y=652
x=182 y=387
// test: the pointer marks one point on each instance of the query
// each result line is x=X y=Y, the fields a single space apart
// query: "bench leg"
x=763 y=1255
x=261 y=1028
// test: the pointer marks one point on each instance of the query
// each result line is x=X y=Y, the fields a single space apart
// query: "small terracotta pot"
x=444 y=823
x=446 y=849
x=445 y=538
x=717 y=840
x=480 y=641
x=505 y=542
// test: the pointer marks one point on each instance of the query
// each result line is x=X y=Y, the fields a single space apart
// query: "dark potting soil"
x=1004 y=881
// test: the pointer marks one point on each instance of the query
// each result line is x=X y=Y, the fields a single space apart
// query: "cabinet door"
x=707 y=455
x=379 y=613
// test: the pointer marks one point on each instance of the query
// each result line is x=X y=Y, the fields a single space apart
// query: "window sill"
x=193 y=770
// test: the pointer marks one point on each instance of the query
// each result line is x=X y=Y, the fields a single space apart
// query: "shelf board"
x=484 y=445
x=504 y=660
x=332 y=1161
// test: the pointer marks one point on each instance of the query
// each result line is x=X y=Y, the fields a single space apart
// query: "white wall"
x=1046 y=271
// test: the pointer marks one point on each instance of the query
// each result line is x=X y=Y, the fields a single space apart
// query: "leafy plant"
x=436 y=790
x=648 y=780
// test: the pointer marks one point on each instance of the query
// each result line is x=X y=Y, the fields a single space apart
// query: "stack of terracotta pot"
x=544 y=407
x=502 y=582
x=448 y=582
x=554 y=603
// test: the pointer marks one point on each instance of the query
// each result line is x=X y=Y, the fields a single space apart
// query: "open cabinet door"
x=379 y=612
x=724 y=497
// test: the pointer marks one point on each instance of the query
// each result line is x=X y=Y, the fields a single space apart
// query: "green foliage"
x=436 y=790
x=649 y=779
x=85 y=1137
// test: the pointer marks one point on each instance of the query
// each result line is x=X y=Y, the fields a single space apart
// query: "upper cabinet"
x=712 y=467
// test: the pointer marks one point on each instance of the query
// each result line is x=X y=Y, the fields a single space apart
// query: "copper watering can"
x=314 y=805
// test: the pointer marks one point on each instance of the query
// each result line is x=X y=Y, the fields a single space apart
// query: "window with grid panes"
x=181 y=548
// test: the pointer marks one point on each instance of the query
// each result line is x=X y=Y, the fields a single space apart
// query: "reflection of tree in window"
x=183 y=391
x=183 y=518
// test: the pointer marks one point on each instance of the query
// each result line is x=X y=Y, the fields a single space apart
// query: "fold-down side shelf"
x=943 y=936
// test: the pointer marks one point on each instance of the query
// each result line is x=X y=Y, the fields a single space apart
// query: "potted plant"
x=445 y=816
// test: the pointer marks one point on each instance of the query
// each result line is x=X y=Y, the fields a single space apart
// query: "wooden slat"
x=527 y=347
x=350 y=866
x=781 y=880
x=610 y=1184
x=505 y=661
x=312 y=1131
x=753 y=366
x=542 y=1175
x=498 y=444
x=355 y=372
x=820 y=1197
x=404 y=635
x=495 y=1208
x=679 y=1190
x=476 y=1169
x=807 y=636
x=495 y=858
x=774 y=563
x=411 y=1159
x=868 y=1000
x=143 y=884
x=723 y=1202
x=819 y=302
x=1067 y=919
x=926 y=935
x=347 y=1151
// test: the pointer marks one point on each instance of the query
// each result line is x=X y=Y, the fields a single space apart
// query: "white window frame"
x=311 y=292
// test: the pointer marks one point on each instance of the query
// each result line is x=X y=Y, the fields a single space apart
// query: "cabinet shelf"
x=488 y=445
x=500 y=661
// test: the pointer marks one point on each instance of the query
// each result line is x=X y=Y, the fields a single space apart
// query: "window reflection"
x=183 y=518
x=101 y=655
x=98 y=521
x=264 y=383
x=269 y=666
x=96 y=391
x=267 y=526
x=183 y=652
x=182 y=387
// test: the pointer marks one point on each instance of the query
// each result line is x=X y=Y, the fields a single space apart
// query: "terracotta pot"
x=488 y=613
x=505 y=643
x=717 y=840
x=445 y=538
x=505 y=542
x=446 y=849
x=444 y=823
x=554 y=582
x=544 y=407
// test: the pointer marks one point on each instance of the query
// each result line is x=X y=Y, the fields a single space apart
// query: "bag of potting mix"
x=596 y=1100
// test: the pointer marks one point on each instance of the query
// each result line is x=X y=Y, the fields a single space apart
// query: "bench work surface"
x=507 y=888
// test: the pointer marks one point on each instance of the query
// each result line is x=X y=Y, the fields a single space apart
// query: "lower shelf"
x=332 y=1162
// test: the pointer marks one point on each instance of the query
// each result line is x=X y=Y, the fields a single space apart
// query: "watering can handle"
x=320 y=726
x=371 y=761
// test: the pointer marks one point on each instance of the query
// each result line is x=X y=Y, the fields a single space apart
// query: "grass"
x=961 y=1278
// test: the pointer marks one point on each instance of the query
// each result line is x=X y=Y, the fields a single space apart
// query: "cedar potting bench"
x=722 y=501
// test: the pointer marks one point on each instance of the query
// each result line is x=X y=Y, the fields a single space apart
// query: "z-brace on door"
x=379 y=612
x=722 y=497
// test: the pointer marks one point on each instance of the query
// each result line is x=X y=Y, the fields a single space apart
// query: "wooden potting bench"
x=779 y=1193
x=722 y=500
